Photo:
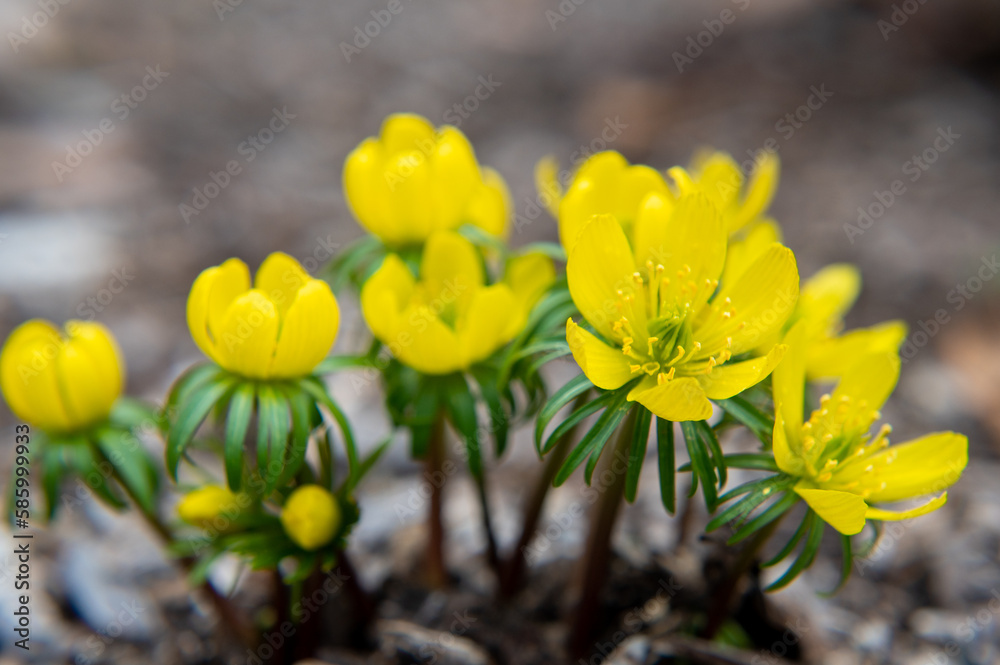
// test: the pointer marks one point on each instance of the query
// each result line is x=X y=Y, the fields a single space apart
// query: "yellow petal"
x=403 y=132
x=761 y=300
x=731 y=379
x=483 y=327
x=425 y=343
x=895 y=516
x=867 y=383
x=687 y=238
x=311 y=517
x=249 y=335
x=826 y=359
x=721 y=179
x=760 y=191
x=384 y=296
x=367 y=191
x=90 y=372
x=677 y=400
x=29 y=378
x=787 y=459
x=827 y=295
x=923 y=466
x=599 y=265
x=529 y=276
x=605 y=366
x=412 y=216
x=788 y=382
x=308 y=330
x=451 y=270
x=211 y=295
x=844 y=511
x=280 y=277
x=742 y=252
x=489 y=205
x=547 y=184
x=455 y=180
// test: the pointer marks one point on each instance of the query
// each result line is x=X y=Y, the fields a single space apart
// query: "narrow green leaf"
x=585 y=411
x=753 y=418
x=461 y=407
x=665 y=461
x=237 y=424
x=303 y=422
x=806 y=556
x=318 y=390
x=637 y=453
x=80 y=457
x=789 y=547
x=773 y=512
x=366 y=465
x=337 y=363
x=499 y=418
x=192 y=412
x=708 y=436
x=739 y=511
x=700 y=463
x=596 y=438
x=846 y=562
x=130 y=460
x=195 y=377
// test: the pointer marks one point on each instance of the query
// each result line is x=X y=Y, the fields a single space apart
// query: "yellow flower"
x=605 y=184
x=842 y=467
x=311 y=517
x=653 y=304
x=450 y=318
x=413 y=180
x=719 y=176
x=61 y=381
x=204 y=505
x=825 y=299
x=281 y=328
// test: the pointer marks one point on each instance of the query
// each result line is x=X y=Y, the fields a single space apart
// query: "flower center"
x=655 y=324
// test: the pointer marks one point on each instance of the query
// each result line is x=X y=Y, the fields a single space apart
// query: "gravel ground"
x=161 y=95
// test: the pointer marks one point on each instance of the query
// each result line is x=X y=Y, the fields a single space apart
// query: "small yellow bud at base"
x=311 y=517
x=203 y=506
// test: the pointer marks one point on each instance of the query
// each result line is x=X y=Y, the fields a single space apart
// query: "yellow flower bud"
x=311 y=517
x=61 y=380
x=413 y=180
x=202 y=506
x=281 y=328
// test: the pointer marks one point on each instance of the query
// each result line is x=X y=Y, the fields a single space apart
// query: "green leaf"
x=846 y=562
x=195 y=377
x=759 y=492
x=366 y=465
x=806 y=556
x=773 y=512
x=461 y=408
x=585 y=411
x=499 y=418
x=134 y=468
x=337 y=363
x=192 y=411
x=597 y=437
x=575 y=386
x=237 y=424
x=700 y=463
x=80 y=458
x=425 y=409
x=553 y=250
x=273 y=427
x=708 y=436
x=318 y=390
x=800 y=531
x=749 y=415
x=665 y=460
x=637 y=453
x=53 y=471
x=302 y=427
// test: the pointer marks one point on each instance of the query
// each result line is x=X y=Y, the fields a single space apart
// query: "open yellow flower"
x=281 y=328
x=311 y=517
x=450 y=318
x=739 y=201
x=61 y=380
x=413 y=180
x=844 y=470
x=825 y=299
x=204 y=505
x=662 y=313
x=605 y=184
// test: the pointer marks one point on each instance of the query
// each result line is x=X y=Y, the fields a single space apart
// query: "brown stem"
x=437 y=573
x=492 y=553
x=722 y=599
x=598 y=553
x=512 y=572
